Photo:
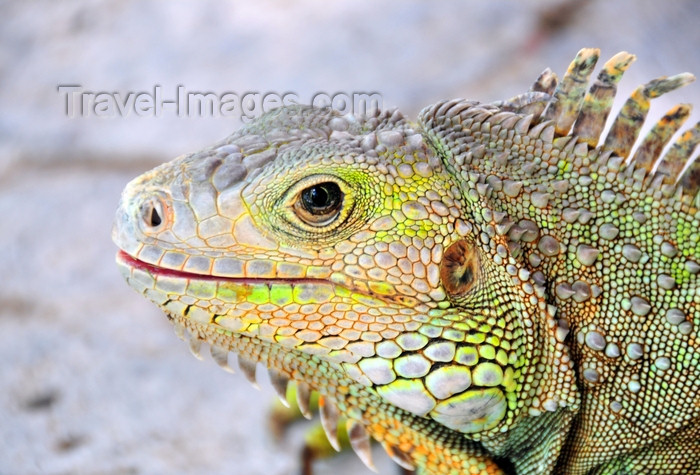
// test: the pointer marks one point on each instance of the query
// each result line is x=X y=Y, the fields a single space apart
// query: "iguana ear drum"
x=459 y=268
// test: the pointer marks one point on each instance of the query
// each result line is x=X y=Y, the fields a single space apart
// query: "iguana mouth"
x=127 y=260
x=133 y=262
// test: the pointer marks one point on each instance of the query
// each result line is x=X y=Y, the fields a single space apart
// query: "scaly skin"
x=482 y=292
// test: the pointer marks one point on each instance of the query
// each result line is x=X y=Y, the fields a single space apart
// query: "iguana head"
x=348 y=241
x=411 y=273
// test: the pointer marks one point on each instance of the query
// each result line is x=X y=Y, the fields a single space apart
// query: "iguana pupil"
x=322 y=199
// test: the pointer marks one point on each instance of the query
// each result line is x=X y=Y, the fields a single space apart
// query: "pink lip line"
x=161 y=271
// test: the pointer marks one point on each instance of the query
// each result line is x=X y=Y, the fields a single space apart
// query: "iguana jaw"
x=410 y=440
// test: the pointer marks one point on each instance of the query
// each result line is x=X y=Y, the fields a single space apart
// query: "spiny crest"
x=573 y=118
x=588 y=112
x=358 y=436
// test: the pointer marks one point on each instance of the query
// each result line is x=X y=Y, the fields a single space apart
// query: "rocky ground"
x=93 y=379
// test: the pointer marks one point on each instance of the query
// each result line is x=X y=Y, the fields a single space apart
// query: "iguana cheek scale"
x=482 y=292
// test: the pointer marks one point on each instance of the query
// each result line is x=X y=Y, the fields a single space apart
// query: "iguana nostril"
x=155 y=218
x=153 y=213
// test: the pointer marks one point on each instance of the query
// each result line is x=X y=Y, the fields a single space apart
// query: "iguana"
x=495 y=288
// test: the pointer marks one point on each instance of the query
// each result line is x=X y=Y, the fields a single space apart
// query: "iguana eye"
x=319 y=204
x=322 y=205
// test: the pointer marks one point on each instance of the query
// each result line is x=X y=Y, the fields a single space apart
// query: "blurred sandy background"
x=92 y=378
